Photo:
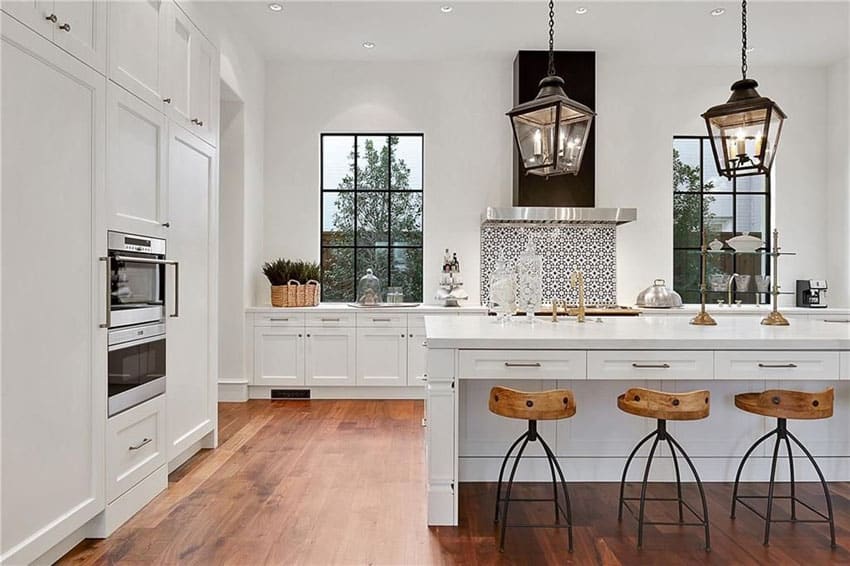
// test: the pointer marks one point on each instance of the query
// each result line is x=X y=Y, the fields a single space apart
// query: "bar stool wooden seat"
x=784 y=404
x=533 y=406
x=664 y=407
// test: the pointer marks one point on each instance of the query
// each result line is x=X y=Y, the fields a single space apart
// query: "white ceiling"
x=803 y=32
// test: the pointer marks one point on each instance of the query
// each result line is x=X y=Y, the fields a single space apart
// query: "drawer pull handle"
x=144 y=442
x=279 y=319
x=650 y=366
x=522 y=365
x=382 y=320
x=845 y=320
x=761 y=365
x=330 y=320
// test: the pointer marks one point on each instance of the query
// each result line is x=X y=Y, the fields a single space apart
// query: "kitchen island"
x=598 y=361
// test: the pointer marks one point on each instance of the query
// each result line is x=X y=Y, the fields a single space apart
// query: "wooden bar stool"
x=663 y=407
x=783 y=404
x=533 y=406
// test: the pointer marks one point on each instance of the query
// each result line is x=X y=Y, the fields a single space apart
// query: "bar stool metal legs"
x=783 y=435
x=531 y=435
x=660 y=434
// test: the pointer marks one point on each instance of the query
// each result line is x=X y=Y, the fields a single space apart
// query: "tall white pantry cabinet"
x=109 y=122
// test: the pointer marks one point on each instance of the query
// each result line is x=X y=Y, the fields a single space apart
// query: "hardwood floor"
x=343 y=482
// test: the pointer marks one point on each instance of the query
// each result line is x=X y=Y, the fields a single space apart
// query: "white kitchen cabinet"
x=204 y=90
x=416 y=351
x=78 y=27
x=138 y=46
x=54 y=352
x=137 y=165
x=278 y=356
x=382 y=356
x=180 y=38
x=135 y=446
x=330 y=355
x=190 y=392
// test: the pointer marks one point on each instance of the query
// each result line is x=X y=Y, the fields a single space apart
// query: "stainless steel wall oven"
x=136 y=271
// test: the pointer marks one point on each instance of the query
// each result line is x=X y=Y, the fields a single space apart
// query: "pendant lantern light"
x=744 y=131
x=551 y=131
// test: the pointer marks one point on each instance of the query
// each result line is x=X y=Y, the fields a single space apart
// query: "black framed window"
x=703 y=199
x=371 y=212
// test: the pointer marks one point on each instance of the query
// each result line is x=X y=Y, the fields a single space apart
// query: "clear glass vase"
x=503 y=291
x=530 y=275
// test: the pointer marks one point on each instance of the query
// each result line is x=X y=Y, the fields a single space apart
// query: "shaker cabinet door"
x=35 y=14
x=54 y=352
x=330 y=358
x=137 y=46
x=180 y=40
x=191 y=392
x=416 y=352
x=204 y=92
x=278 y=356
x=382 y=356
x=137 y=158
x=81 y=30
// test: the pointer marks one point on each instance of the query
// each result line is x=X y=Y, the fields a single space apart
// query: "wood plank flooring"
x=343 y=482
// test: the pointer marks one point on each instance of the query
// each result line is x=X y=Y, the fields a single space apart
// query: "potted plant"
x=293 y=283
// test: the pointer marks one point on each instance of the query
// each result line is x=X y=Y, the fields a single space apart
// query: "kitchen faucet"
x=729 y=289
x=577 y=279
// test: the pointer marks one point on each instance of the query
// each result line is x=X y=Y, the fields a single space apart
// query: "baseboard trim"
x=233 y=390
x=330 y=392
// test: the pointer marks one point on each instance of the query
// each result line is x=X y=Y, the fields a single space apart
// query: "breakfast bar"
x=602 y=358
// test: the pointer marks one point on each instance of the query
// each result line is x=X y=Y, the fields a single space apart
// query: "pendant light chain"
x=551 y=38
x=744 y=39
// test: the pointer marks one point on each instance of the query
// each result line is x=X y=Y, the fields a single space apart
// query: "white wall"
x=243 y=71
x=838 y=219
x=460 y=107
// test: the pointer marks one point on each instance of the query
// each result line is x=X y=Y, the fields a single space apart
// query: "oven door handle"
x=108 y=322
x=176 y=265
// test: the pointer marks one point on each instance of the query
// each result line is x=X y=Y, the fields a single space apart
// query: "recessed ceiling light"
x=446 y=9
x=275 y=7
x=718 y=11
x=368 y=45
x=581 y=10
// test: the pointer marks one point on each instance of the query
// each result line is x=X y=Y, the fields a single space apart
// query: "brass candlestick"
x=703 y=318
x=775 y=318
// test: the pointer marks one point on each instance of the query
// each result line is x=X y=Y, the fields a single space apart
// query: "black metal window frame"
x=388 y=191
x=761 y=298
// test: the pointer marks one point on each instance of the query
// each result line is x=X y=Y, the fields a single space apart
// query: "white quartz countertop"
x=634 y=333
x=344 y=307
x=713 y=309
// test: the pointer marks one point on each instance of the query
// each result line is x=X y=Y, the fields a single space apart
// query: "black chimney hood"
x=578 y=69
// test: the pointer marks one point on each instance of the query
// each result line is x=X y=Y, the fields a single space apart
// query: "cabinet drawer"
x=135 y=446
x=282 y=319
x=776 y=365
x=331 y=319
x=523 y=364
x=684 y=364
x=378 y=320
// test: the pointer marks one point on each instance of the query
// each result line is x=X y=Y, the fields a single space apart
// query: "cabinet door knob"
x=65 y=27
x=197 y=122
x=51 y=18
x=166 y=224
x=167 y=100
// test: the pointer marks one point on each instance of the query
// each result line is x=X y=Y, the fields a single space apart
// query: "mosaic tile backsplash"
x=590 y=248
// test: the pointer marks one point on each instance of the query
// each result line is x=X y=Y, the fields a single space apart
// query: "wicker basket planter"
x=294 y=294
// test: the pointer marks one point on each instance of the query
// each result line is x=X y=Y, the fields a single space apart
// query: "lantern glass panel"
x=739 y=136
x=773 y=132
x=535 y=133
x=572 y=139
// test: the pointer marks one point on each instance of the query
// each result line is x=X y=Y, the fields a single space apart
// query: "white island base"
x=600 y=360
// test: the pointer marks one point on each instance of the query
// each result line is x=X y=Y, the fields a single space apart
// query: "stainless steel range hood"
x=558 y=215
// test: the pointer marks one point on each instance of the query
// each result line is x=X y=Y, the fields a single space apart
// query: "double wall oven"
x=136 y=314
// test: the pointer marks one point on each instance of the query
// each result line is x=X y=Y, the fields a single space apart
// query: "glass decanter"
x=530 y=273
x=503 y=291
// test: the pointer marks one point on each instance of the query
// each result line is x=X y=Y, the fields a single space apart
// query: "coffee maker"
x=811 y=293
